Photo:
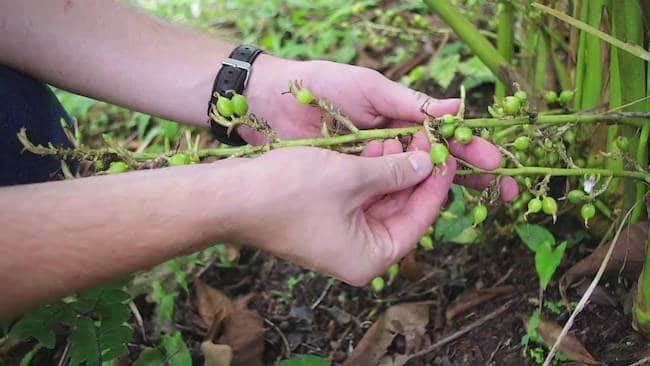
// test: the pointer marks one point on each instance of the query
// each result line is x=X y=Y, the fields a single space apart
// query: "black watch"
x=234 y=74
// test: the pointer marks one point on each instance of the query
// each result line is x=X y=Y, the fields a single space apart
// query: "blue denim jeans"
x=26 y=102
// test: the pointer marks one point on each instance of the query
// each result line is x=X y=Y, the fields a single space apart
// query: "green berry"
x=587 y=211
x=549 y=206
x=539 y=152
x=377 y=284
x=566 y=96
x=240 y=105
x=447 y=130
x=534 y=205
x=117 y=167
x=178 y=159
x=448 y=119
x=485 y=134
x=550 y=97
x=463 y=135
x=479 y=213
x=576 y=196
x=522 y=96
x=548 y=144
x=552 y=158
x=392 y=271
x=522 y=143
x=426 y=242
x=569 y=137
x=511 y=105
x=622 y=143
x=304 y=96
x=439 y=153
x=225 y=107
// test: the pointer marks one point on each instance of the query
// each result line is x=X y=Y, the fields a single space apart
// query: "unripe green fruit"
x=522 y=96
x=393 y=270
x=178 y=159
x=569 y=137
x=539 y=152
x=463 y=135
x=622 y=143
x=587 y=211
x=239 y=104
x=225 y=107
x=534 y=205
x=439 y=153
x=566 y=96
x=576 y=196
x=511 y=105
x=117 y=167
x=549 y=206
x=447 y=119
x=447 y=130
x=426 y=242
x=479 y=213
x=304 y=96
x=377 y=284
x=550 y=97
x=522 y=143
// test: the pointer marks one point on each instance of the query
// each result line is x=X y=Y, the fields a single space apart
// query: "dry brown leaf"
x=570 y=346
x=474 y=297
x=409 y=268
x=627 y=257
x=243 y=331
x=409 y=320
x=212 y=305
x=216 y=354
x=242 y=327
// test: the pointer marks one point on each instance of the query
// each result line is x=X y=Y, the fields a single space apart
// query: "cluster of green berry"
x=513 y=105
x=565 y=97
x=236 y=106
x=378 y=283
x=448 y=127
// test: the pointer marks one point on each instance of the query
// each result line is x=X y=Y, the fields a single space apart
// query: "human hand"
x=348 y=216
x=365 y=96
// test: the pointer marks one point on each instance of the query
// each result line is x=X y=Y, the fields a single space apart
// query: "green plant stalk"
x=505 y=41
x=641 y=304
x=558 y=172
x=560 y=69
x=633 y=49
x=593 y=80
x=481 y=47
x=629 y=27
x=614 y=102
x=539 y=80
x=580 y=57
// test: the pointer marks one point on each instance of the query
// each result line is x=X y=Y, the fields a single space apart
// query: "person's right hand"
x=347 y=216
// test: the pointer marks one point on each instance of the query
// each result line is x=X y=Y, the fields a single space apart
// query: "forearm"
x=110 y=51
x=60 y=237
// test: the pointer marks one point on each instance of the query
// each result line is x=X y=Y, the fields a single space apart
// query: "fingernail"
x=420 y=161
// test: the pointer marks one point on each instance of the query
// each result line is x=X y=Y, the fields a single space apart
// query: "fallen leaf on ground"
x=570 y=346
x=627 y=257
x=409 y=320
x=474 y=297
x=216 y=354
x=242 y=328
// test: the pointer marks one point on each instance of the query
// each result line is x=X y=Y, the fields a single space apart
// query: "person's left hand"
x=365 y=96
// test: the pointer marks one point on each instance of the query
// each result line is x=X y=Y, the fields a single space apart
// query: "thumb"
x=393 y=173
x=396 y=101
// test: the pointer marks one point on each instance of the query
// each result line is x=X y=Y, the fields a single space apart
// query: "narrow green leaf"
x=546 y=261
x=176 y=350
x=631 y=48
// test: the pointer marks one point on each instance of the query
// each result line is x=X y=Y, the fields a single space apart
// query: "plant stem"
x=565 y=172
x=481 y=47
x=505 y=42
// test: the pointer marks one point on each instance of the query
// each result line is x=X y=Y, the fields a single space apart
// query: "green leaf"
x=84 y=346
x=455 y=220
x=37 y=325
x=476 y=73
x=176 y=350
x=150 y=357
x=29 y=356
x=305 y=360
x=534 y=236
x=467 y=236
x=443 y=69
x=164 y=304
x=546 y=261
